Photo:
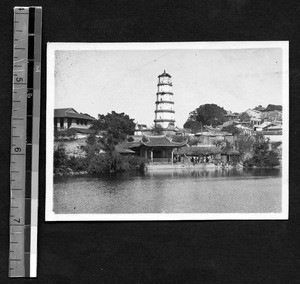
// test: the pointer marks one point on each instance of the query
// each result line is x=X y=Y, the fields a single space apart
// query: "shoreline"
x=162 y=167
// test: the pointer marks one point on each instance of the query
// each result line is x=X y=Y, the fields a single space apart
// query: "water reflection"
x=216 y=173
x=181 y=191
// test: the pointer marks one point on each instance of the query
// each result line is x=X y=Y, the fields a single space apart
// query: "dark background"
x=158 y=252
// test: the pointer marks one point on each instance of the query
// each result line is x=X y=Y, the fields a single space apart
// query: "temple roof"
x=231 y=152
x=71 y=113
x=160 y=141
x=165 y=74
x=121 y=150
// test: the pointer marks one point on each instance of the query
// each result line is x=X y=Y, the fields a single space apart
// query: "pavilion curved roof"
x=160 y=141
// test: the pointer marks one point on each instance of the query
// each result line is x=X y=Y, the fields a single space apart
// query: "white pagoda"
x=164 y=111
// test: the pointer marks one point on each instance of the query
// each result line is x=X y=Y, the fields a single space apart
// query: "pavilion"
x=157 y=149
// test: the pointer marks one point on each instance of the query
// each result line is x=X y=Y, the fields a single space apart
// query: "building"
x=230 y=116
x=211 y=135
x=142 y=129
x=271 y=130
x=156 y=149
x=159 y=148
x=274 y=115
x=164 y=110
x=255 y=117
x=197 y=154
x=69 y=118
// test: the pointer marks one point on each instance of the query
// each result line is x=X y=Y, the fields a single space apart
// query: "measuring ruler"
x=25 y=124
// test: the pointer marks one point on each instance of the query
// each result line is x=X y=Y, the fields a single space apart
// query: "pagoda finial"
x=164 y=71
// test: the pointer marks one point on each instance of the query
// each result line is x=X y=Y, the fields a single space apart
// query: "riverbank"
x=68 y=172
x=199 y=166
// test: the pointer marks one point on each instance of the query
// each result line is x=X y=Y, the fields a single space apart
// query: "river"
x=212 y=191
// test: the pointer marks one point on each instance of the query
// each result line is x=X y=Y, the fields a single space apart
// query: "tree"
x=262 y=155
x=195 y=126
x=231 y=129
x=193 y=141
x=244 y=116
x=179 y=138
x=157 y=129
x=227 y=146
x=271 y=107
x=119 y=125
x=259 y=108
x=102 y=162
x=244 y=145
x=108 y=143
x=60 y=156
x=208 y=114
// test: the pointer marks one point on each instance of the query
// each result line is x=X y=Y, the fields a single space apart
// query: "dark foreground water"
x=214 y=191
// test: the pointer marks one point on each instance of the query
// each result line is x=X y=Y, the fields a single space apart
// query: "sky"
x=101 y=81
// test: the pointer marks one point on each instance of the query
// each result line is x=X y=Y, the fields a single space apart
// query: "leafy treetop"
x=208 y=114
x=157 y=129
x=244 y=116
x=271 y=107
x=119 y=125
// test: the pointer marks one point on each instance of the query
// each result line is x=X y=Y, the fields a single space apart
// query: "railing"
x=161 y=160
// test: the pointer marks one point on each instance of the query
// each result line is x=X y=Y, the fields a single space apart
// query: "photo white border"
x=52 y=47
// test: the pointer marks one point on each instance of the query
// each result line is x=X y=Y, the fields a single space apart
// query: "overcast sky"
x=100 y=81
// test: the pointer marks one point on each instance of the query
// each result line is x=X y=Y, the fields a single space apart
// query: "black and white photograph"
x=167 y=131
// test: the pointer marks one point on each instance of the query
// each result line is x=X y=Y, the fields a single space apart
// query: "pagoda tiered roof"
x=165 y=74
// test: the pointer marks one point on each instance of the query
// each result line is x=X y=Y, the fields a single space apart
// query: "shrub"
x=77 y=164
x=60 y=157
x=193 y=141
